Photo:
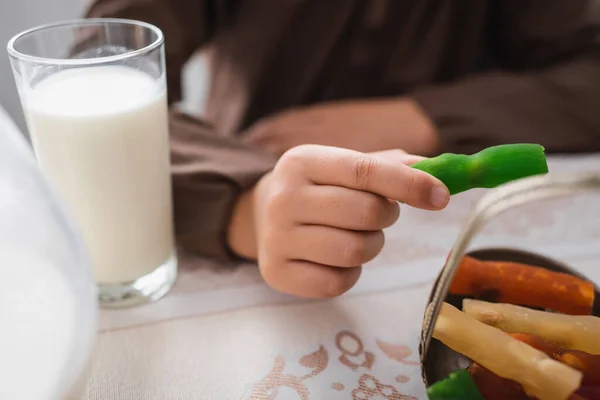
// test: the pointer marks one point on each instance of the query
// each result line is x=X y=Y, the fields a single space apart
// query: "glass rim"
x=13 y=52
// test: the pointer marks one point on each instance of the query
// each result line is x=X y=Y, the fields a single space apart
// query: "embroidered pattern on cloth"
x=349 y=350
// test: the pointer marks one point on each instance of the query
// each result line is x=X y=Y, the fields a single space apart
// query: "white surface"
x=223 y=334
x=7 y=124
x=37 y=307
x=101 y=136
x=48 y=305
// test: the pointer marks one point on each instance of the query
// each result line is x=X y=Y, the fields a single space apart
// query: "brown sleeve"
x=209 y=173
x=547 y=92
x=186 y=24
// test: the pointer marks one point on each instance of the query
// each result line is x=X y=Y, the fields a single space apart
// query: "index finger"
x=334 y=166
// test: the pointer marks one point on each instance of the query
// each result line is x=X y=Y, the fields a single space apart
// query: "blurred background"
x=18 y=15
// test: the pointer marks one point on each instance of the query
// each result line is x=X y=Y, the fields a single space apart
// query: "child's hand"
x=319 y=215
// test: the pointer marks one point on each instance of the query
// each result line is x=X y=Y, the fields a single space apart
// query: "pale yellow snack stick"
x=505 y=356
x=575 y=332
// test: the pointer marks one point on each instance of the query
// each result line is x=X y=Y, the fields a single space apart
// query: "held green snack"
x=459 y=385
x=489 y=168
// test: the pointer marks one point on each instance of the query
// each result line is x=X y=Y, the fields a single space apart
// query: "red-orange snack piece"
x=589 y=364
x=526 y=285
x=586 y=393
x=493 y=387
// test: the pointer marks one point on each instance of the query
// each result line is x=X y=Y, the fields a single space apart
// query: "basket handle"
x=494 y=203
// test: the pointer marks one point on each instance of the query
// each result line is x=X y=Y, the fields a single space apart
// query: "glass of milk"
x=94 y=96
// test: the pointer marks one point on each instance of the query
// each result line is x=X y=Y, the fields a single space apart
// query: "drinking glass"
x=94 y=96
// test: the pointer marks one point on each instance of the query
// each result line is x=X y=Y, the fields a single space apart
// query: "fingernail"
x=440 y=196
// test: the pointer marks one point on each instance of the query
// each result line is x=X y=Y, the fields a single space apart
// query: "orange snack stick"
x=516 y=283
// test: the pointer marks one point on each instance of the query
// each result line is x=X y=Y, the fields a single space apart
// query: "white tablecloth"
x=223 y=334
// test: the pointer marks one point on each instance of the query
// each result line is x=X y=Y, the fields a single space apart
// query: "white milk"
x=101 y=136
x=38 y=309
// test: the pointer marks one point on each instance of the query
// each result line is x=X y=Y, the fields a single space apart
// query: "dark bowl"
x=440 y=360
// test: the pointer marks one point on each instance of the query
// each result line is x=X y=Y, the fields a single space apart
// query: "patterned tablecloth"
x=223 y=334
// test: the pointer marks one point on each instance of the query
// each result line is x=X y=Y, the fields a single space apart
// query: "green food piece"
x=489 y=168
x=459 y=385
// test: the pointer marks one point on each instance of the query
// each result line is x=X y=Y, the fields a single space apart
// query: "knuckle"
x=362 y=169
x=295 y=159
x=300 y=152
x=363 y=248
x=266 y=270
x=379 y=239
x=280 y=197
x=411 y=185
x=271 y=272
x=355 y=250
x=339 y=283
x=371 y=212
x=394 y=212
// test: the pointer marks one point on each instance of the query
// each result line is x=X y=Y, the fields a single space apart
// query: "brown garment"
x=486 y=72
